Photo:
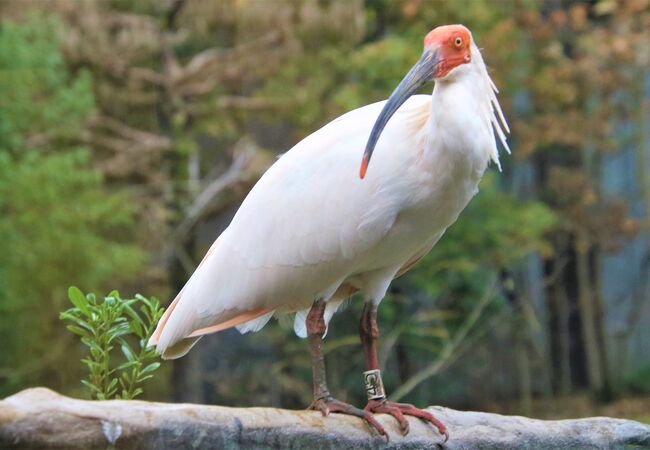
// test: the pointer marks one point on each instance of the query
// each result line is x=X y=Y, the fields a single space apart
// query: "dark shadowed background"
x=130 y=131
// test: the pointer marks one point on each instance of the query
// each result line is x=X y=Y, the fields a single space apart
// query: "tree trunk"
x=521 y=338
x=559 y=332
x=588 y=315
x=524 y=375
x=607 y=391
x=564 y=339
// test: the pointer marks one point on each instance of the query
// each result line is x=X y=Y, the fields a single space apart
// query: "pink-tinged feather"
x=237 y=320
x=163 y=320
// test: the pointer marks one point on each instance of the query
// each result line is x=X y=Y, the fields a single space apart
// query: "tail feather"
x=163 y=320
x=232 y=322
x=175 y=347
x=180 y=348
x=155 y=337
x=255 y=325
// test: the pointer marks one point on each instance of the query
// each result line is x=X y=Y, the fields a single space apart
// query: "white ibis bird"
x=312 y=231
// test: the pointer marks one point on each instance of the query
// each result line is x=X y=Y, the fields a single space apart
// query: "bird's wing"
x=303 y=226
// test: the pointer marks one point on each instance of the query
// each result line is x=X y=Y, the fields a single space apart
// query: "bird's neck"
x=462 y=118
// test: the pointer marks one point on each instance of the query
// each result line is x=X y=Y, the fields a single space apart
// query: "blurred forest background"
x=130 y=131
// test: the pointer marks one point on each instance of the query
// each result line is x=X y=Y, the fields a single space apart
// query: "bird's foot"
x=329 y=405
x=399 y=410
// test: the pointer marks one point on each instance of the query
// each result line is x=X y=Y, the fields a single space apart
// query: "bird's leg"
x=315 y=331
x=323 y=400
x=377 y=403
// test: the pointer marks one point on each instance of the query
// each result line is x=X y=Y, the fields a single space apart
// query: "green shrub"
x=107 y=324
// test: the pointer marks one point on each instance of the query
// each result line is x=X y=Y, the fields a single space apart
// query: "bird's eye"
x=458 y=42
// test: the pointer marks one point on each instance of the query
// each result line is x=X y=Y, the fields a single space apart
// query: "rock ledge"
x=41 y=418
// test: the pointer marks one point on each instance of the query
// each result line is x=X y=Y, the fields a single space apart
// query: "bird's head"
x=445 y=48
x=450 y=47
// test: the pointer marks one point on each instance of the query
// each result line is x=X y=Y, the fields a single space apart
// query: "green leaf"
x=85 y=324
x=72 y=316
x=91 y=363
x=146 y=313
x=119 y=330
x=125 y=365
x=128 y=353
x=69 y=314
x=92 y=344
x=91 y=386
x=136 y=327
x=127 y=302
x=131 y=312
x=78 y=299
x=112 y=384
x=150 y=368
x=78 y=330
x=146 y=377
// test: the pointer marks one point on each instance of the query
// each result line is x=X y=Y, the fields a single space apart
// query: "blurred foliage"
x=104 y=324
x=40 y=99
x=638 y=381
x=58 y=224
x=496 y=229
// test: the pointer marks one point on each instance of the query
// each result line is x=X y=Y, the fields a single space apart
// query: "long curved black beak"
x=420 y=73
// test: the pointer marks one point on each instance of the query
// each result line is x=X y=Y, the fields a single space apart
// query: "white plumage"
x=312 y=229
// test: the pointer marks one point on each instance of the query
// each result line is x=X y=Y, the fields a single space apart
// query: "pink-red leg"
x=323 y=400
x=369 y=332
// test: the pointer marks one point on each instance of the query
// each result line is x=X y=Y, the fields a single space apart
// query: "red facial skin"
x=453 y=45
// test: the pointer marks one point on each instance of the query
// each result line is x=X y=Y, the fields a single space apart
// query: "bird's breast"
x=427 y=199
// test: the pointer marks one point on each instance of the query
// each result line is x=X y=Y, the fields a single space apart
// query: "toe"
x=397 y=414
x=375 y=424
x=411 y=410
x=320 y=405
x=336 y=406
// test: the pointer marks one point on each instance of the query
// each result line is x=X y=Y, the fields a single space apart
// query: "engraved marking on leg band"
x=374 y=384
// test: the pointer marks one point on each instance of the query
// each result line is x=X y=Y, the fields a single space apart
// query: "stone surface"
x=41 y=418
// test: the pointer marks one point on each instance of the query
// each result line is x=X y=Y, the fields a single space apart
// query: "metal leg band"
x=374 y=384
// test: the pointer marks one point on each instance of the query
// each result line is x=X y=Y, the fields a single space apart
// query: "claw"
x=380 y=407
x=329 y=405
x=376 y=425
x=399 y=410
